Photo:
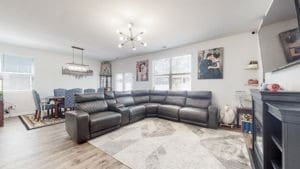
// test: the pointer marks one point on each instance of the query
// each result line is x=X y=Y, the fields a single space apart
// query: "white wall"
x=287 y=78
x=47 y=76
x=271 y=49
x=238 y=51
x=273 y=56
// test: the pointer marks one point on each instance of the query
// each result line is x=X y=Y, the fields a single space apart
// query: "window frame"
x=170 y=74
x=4 y=73
x=124 y=81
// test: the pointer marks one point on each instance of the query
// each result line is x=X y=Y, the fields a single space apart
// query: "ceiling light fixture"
x=77 y=69
x=131 y=38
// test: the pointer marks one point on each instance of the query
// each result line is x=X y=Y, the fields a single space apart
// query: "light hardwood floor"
x=48 y=148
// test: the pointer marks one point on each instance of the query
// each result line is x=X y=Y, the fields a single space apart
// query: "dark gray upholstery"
x=201 y=99
x=77 y=125
x=151 y=109
x=158 y=96
x=104 y=120
x=91 y=117
x=137 y=113
x=198 y=110
x=109 y=95
x=124 y=98
x=124 y=111
x=176 y=98
x=123 y=94
x=198 y=103
x=141 y=99
x=193 y=115
x=140 y=96
x=99 y=113
x=169 y=112
x=91 y=103
x=80 y=98
x=213 y=117
x=110 y=98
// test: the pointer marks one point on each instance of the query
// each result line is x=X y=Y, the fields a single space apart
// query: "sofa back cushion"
x=91 y=102
x=198 y=99
x=110 y=98
x=140 y=96
x=124 y=98
x=158 y=96
x=176 y=98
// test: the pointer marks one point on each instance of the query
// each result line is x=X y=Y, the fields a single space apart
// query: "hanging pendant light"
x=77 y=69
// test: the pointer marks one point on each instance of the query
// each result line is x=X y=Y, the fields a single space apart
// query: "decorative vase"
x=227 y=115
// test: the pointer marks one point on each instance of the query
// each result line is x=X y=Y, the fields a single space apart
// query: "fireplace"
x=258 y=142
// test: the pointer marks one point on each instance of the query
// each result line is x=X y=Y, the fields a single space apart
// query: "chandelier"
x=131 y=38
x=77 y=69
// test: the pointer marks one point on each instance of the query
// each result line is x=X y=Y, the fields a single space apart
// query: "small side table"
x=240 y=111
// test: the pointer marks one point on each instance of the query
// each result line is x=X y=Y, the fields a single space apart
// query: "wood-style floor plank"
x=48 y=148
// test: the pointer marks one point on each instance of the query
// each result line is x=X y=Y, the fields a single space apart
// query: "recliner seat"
x=170 y=109
x=137 y=112
x=91 y=118
x=197 y=110
x=156 y=98
x=99 y=113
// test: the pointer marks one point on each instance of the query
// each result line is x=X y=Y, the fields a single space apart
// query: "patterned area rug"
x=161 y=144
x=30 y=123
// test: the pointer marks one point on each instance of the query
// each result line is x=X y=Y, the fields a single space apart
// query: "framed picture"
x=290 y=41
x=142 y=70
x=210 y=63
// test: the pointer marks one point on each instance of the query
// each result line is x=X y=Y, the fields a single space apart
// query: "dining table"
x=57 y=100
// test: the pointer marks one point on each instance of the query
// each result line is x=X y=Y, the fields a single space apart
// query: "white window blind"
x=124 y=81
x=128 y=78
x=17 y=73
x=172 y=73
x=119 y=82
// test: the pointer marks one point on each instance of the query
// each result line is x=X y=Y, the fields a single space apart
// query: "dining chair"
x=69 y=98
x=100 y=90
x=40 y=107
x=89 y=91
x=60 y=92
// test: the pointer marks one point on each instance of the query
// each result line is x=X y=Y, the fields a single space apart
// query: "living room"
x=150 y=84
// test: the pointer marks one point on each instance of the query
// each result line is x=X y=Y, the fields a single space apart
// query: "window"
x=119 y=82
x=17 y=73
x=124 y=81
x=172 y=73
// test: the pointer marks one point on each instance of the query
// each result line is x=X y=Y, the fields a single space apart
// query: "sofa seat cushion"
x=104 y=120
x=192 y=114
x=151 y=108
x=168 y=111
x=136 y=112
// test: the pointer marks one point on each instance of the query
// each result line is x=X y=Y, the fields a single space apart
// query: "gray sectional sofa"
x=99 y=113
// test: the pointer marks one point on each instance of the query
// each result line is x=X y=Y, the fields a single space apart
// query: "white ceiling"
x=280 y=10
x=57 y=24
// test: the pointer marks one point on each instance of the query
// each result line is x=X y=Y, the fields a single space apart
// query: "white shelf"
x=254 y=85
x=253 y=67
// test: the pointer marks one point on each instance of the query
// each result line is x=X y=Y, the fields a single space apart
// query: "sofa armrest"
x=213 y=117
x=77 y=125
x=124 y=111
